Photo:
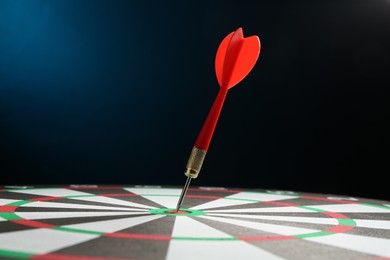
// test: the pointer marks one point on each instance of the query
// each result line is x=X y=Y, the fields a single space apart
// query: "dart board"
x=85 y=222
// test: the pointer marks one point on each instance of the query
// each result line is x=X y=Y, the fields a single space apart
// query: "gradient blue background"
x=116 y=92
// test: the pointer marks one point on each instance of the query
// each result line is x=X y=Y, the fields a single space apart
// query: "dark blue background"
x=116 y=92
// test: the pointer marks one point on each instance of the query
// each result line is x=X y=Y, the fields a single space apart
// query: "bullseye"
x=179 y=212
x=182 y=212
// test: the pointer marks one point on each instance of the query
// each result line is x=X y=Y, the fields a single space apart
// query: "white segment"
x=55 y=215
x=368 y=245
x=282 y=192
x=44 y=204
x=212 y=188
x=154 y=191
x=222 y=203
x=351 y=208
x=165 y=201
x=188 y=227
x=102 y=199
x=115 y=224
x=55 y=192
x=216 y=250
x=6 y=201
x=342 y=198
x=266 y=210
x=326 y=221
x=2 y=219
x=276 y=229
x=379 y=224
x=41 y=241
x=261 y=196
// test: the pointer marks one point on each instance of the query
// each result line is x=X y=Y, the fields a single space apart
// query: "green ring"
x=191 y=212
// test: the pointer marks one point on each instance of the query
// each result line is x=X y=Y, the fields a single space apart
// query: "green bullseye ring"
x=168 y=212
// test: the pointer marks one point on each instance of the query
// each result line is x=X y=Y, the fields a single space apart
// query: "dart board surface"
x=137 y=222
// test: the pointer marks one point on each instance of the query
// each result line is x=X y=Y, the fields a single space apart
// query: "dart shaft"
x=207 y=131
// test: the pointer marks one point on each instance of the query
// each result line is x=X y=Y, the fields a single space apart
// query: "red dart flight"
x=235 y=58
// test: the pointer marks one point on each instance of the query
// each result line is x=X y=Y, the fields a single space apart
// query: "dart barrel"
x=195 y=162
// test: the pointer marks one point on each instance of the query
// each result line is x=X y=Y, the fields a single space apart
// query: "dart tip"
x=183 y=193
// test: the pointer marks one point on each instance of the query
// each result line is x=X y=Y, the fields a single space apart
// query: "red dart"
x=236 y=56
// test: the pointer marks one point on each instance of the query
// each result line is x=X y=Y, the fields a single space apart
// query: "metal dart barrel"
x=193 y=167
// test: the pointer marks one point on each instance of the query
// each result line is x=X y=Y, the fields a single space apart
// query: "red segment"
x=45 y=198
x=280 y=203
x=339 y=229
x=32 y=223
x=266 y=238
x=118 y=195
x=138 y=236
x=7 y=208
x=379 y=258
x=71 y=257
x=334 y=215
x=2 y=190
